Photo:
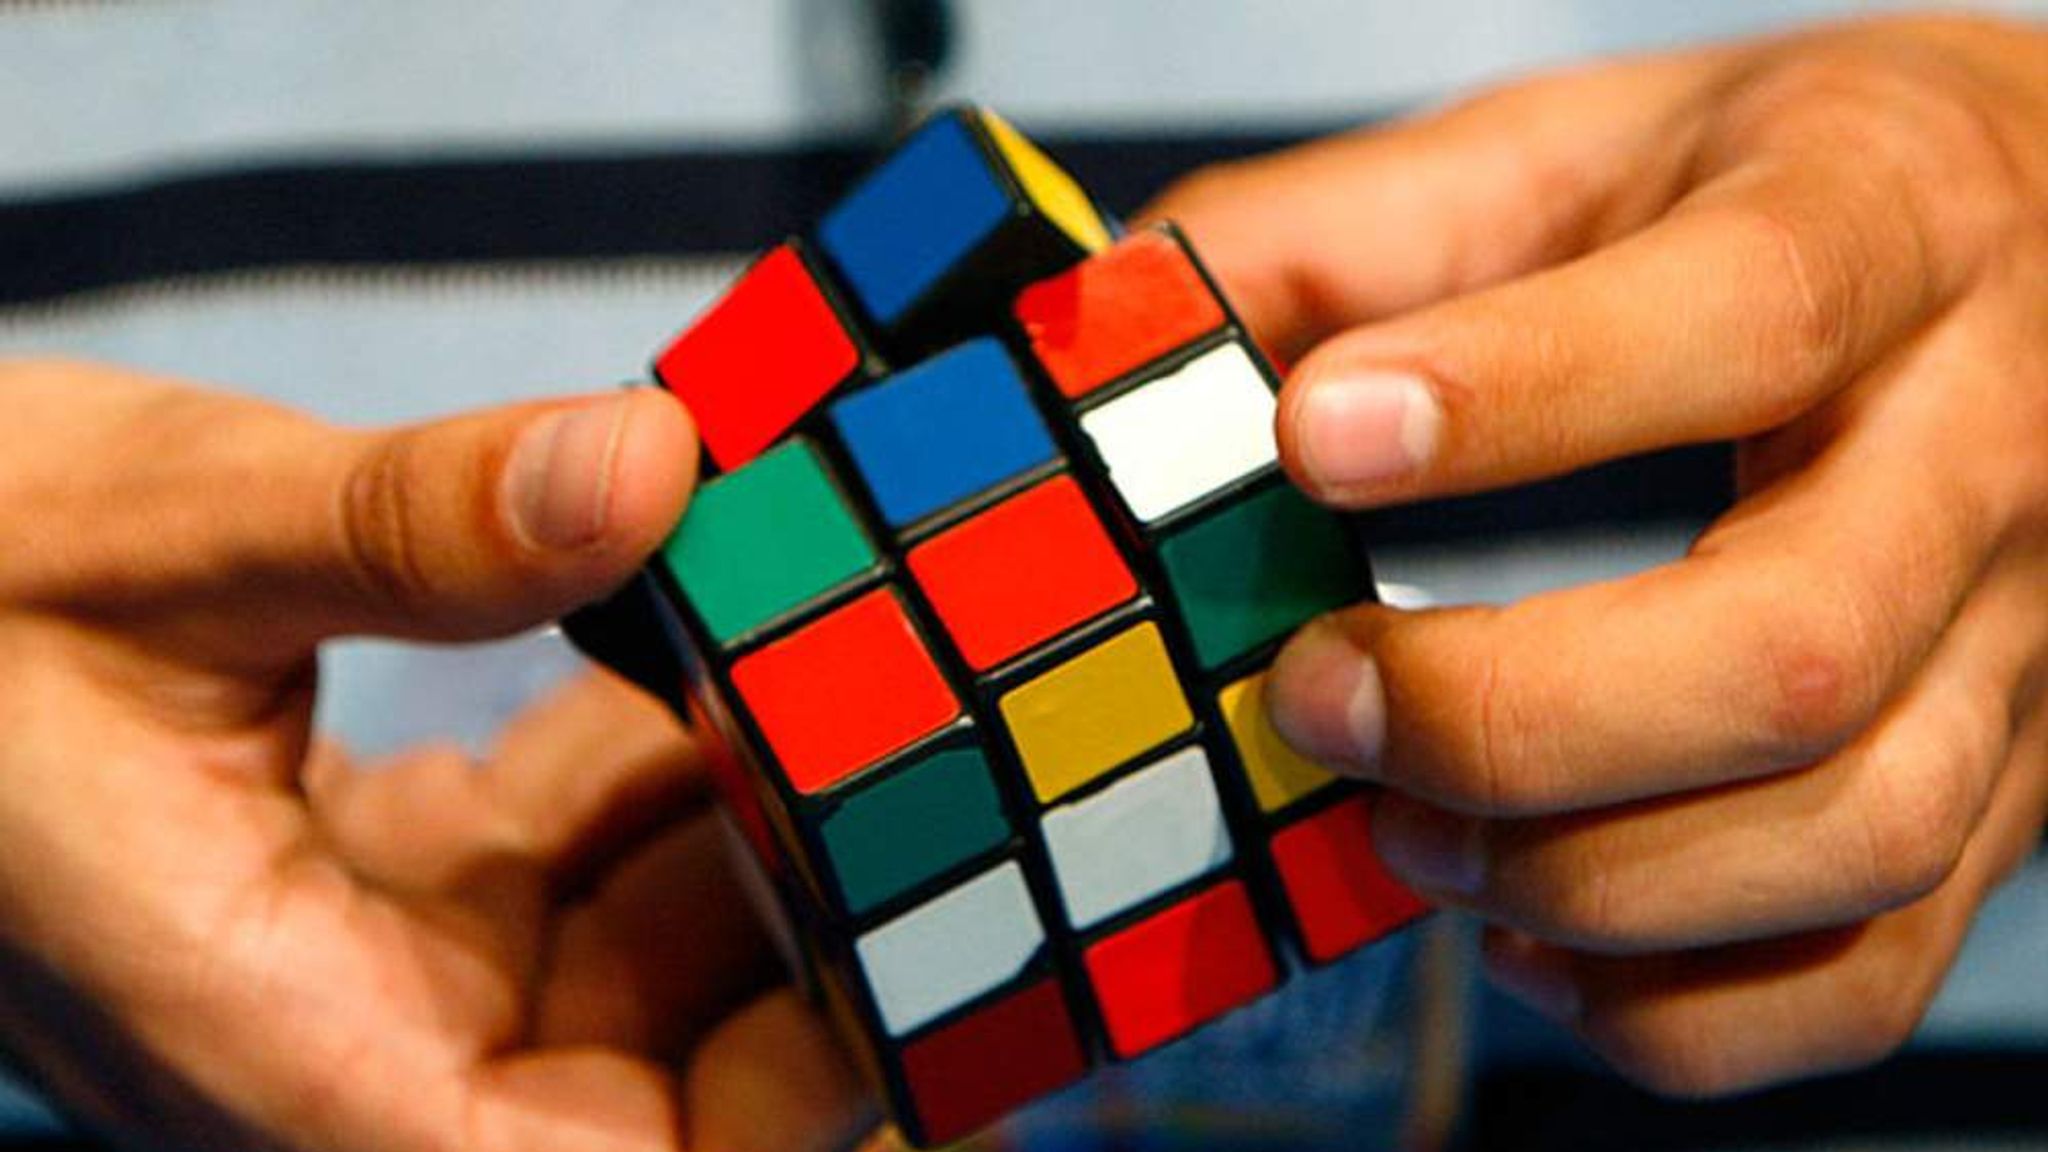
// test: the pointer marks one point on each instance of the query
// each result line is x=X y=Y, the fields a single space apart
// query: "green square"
x=1259 y=569
x=912 y=826
x=764 y=540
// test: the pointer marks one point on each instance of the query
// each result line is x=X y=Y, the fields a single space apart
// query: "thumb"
x=238 y=533
x=498 y=520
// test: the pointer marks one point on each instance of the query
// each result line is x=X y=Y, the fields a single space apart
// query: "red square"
x=1117 y=311
x=844 y=691
x=1189 y=964
x=1022 y=572
x=967 y=1074
x=1341 y=893
x=764 y=355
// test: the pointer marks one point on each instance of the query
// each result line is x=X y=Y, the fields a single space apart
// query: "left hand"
x=1731 y=818
x=217 y=933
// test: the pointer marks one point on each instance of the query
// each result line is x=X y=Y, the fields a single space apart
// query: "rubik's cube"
x=974 y=610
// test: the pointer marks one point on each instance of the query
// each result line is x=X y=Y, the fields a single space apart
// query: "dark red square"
x=844 y=691
x=1117 y=311
x=1179 y=968
x=1342 y=895
x=764 y=355
x=1022 y=572
x=967 y=1074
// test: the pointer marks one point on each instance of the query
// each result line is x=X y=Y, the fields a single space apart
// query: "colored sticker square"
x=959 y=945
x=1151 y=831
x=1105 y=707
x=1179 y=968
x=915 y=218
x=844 y=691
x=943 y=431
x=1341 y=894
x=1118 y=311
x=965 y=1075
x=765 y=354
x=1171 y=441
x=761 y=542
x=1022 y=572
x=1057 y=195
x=1277 y=773
x=1259 y=568
x=927 y=817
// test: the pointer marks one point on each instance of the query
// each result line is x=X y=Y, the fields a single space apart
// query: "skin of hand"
x=1728 y=819
x=216 y=932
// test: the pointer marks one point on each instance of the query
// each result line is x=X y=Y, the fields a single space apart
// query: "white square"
x=1153 y=830
x=952 y=948
x=1174 y=440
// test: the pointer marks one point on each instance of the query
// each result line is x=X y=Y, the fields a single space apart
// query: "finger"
x=1772 y=645
x=248 y=532
x=1759 y=296
x=773 y=1078
x=1360 y=226
x=659 y=952
x=768 y=1079
x=578 y=777
x=1877 y=827
x=1722 y=1020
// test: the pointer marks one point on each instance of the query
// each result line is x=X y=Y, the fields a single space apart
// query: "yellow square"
x=1047 y=185
x=1103 y=708
x=1279 y=775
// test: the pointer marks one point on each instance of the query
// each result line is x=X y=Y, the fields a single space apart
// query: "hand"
x=1730 y=818
x=216 y=932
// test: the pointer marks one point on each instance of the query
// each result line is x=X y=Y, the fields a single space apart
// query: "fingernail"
x=1535 y=974
x=1365 y=428
x=1431 y=849
x=558 y=480
x=1325 y=700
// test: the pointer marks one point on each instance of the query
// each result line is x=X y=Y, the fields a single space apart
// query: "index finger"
x=1363 y=225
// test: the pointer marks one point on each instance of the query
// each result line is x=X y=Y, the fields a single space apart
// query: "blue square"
x=950 y=428
x=914 y=218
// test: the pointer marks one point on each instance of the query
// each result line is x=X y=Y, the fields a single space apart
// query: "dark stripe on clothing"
x=422 y=215
x=472 y=211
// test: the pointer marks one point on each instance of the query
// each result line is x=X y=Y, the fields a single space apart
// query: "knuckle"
x=1810 y=328
x=1665 y=1054
x=1585 y=906
x=1892 y=997
x=1816 y=674
x=1922 y=805
x=1487 y=764
x=378 y=517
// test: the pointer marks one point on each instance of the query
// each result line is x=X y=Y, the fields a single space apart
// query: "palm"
x=547 y=950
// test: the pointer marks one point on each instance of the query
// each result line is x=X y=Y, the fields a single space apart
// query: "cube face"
x=1146 y=834
x=938 y=239
x=1186 y=435
x=941 y=433
x=1340 y=894
x=1021 y=573
x=1164 y=976
x=952 y=950
x=1257 y=569
x=985 y=641
x=844 y=691
x=1277 y=774
x=1107 y=317
x=761 y=543
x=761 y=358
x=1109 y=704
x=933 y=815
x=985 y=1064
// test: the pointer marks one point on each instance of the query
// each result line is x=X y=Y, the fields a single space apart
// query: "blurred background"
x=385 y=210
